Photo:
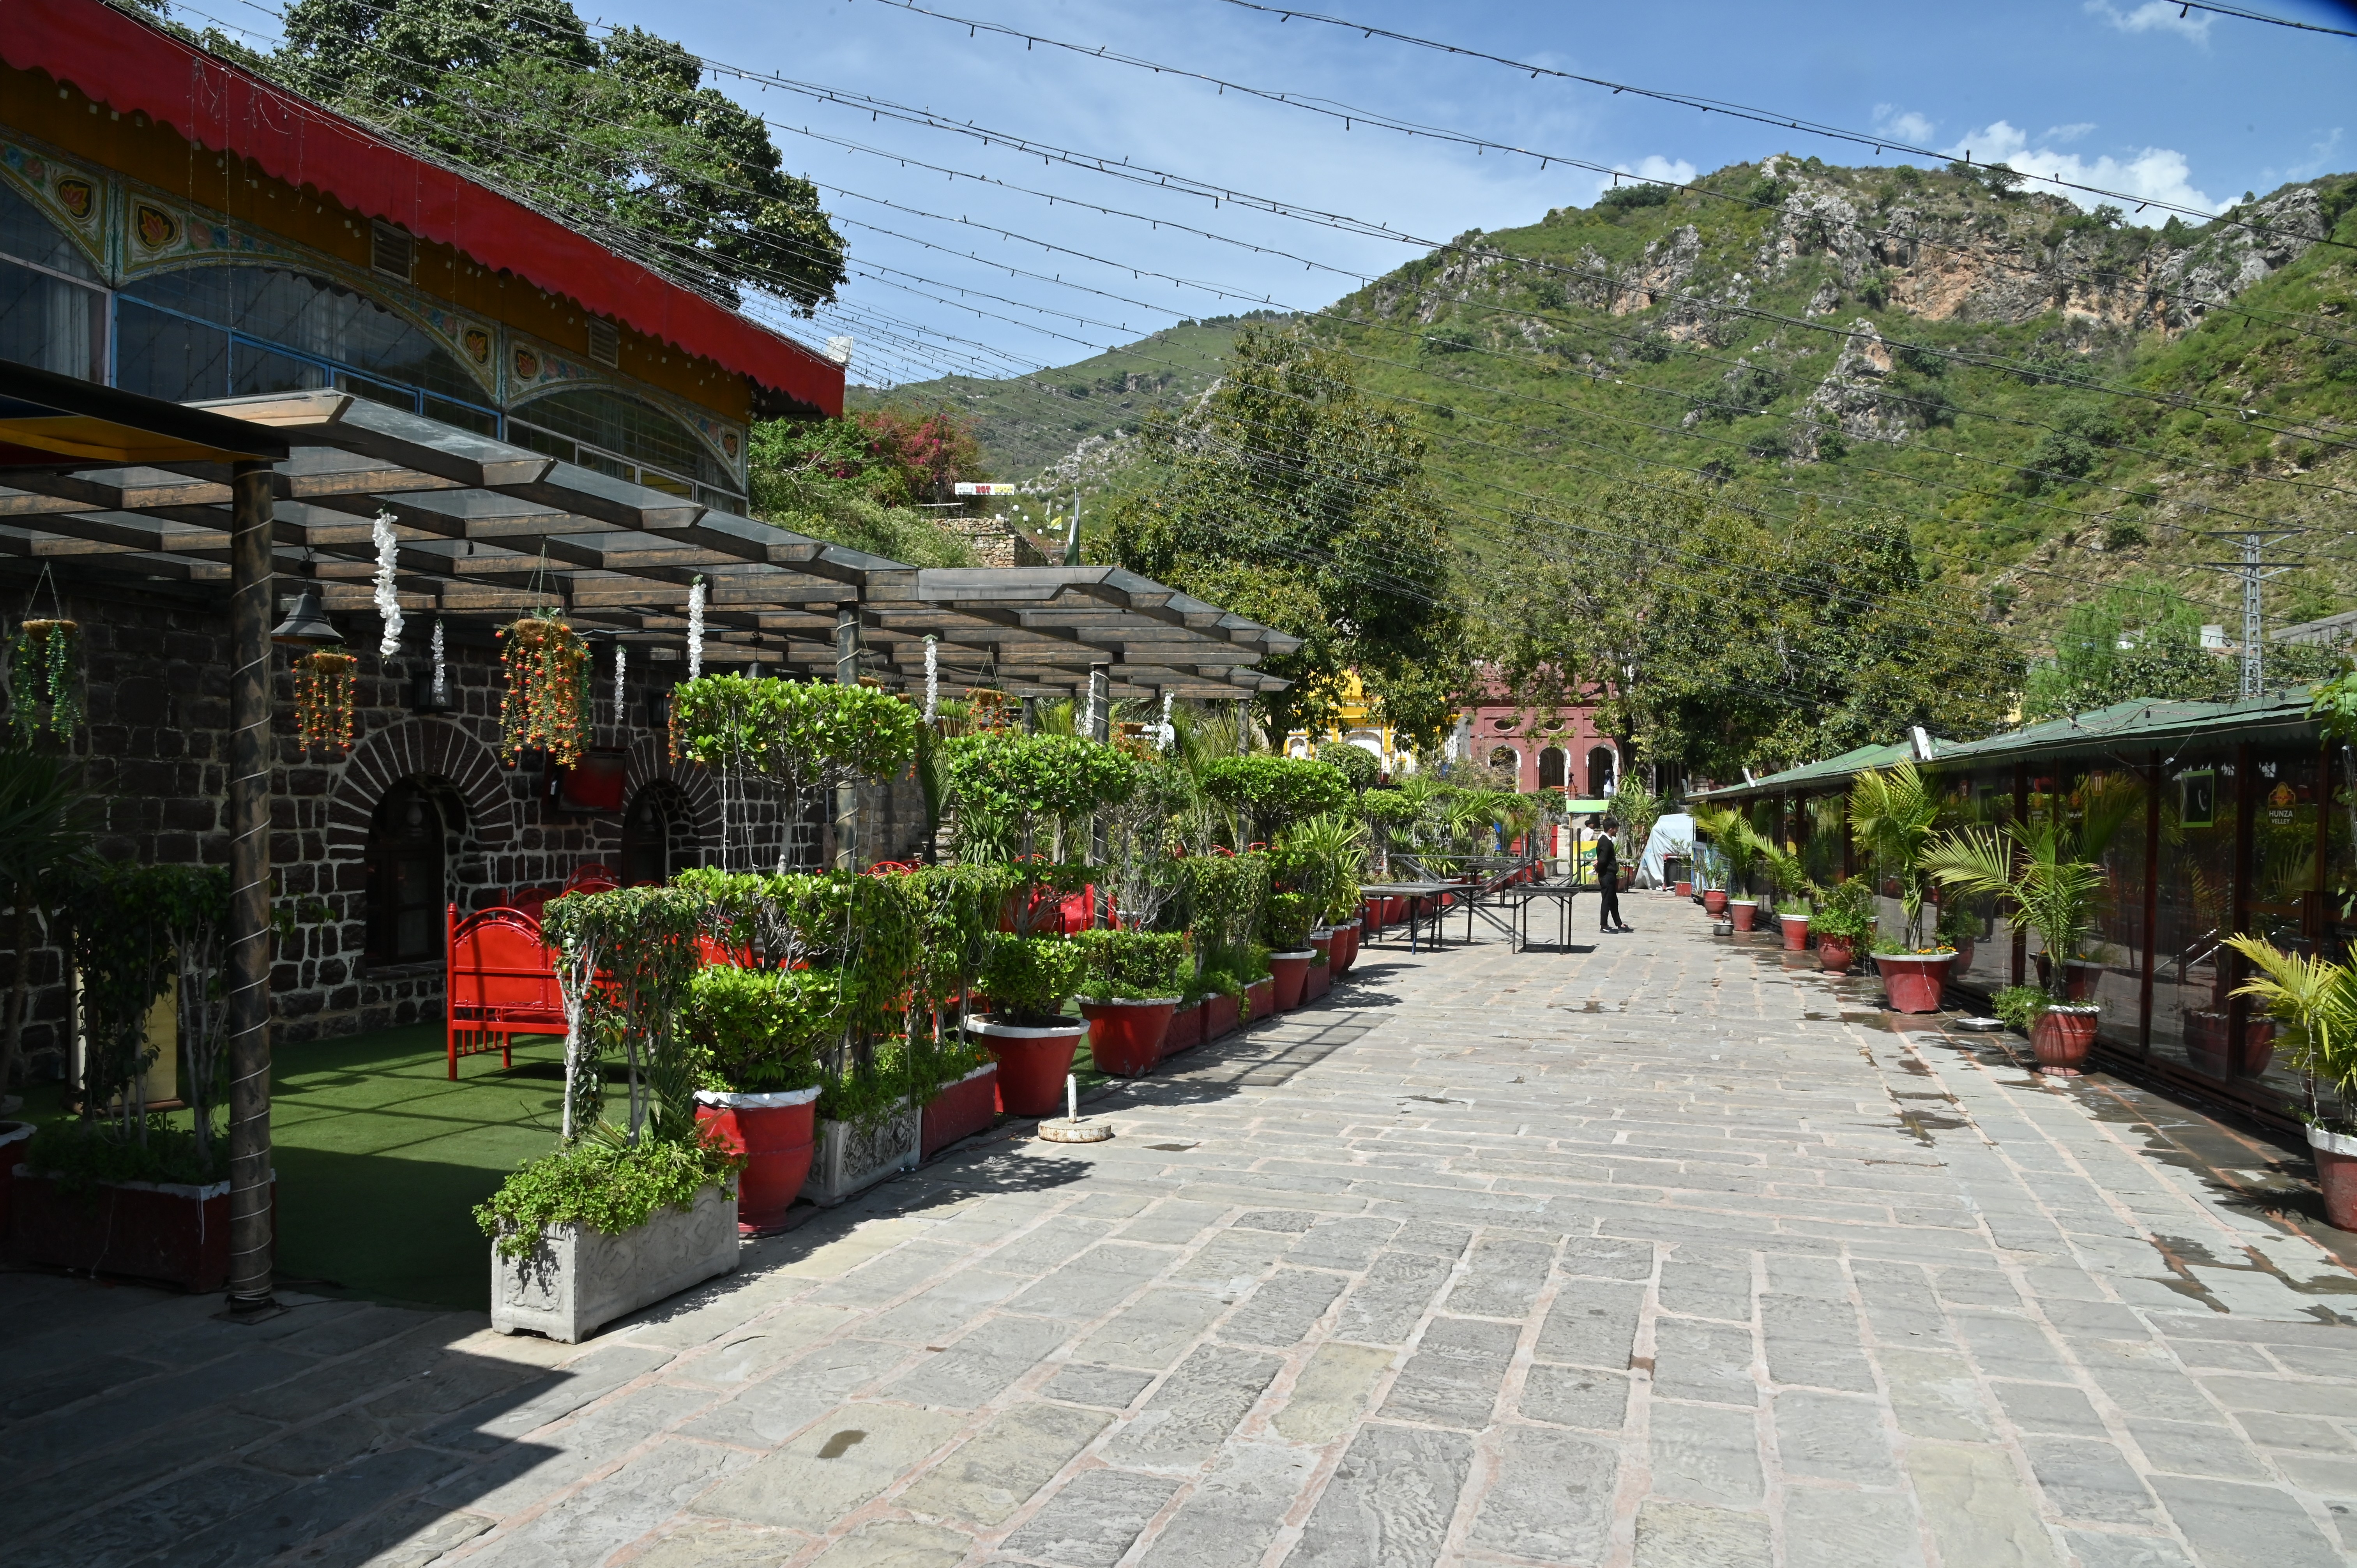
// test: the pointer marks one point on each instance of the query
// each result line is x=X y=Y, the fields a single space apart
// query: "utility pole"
x=2252 y=569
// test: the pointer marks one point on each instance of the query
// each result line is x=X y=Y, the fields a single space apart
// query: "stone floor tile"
x=1832 y=1438
x=1686 y=1535
x=1850 y=1530
x=2235 y=1526
x=1391 y=1500
x=886 y=1544
x=1092 y=1523
x=1334 y=1390
x=1705 y=1453
x=1196 y=1408
x=1234 y=1516
x=990 y=1477
x=831 y=1469
x=1455 y=1373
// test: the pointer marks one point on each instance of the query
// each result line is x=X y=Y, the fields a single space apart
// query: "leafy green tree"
x=1288 y=496
x=616 y=130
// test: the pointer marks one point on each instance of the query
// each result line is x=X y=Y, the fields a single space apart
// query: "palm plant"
x=2058 y=893
x=2316 y=1001
x=1891 y=815
x=1737 y=846
x=1332 y=848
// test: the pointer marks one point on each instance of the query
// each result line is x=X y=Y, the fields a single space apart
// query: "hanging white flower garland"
x=1089 y=713
x=621 y=671
x=1168 y=735
x=932 y=676
x=695 y=629
x=441 y=675
x=388 y=604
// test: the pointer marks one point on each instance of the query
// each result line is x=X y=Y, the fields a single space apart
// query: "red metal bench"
x=501 y=984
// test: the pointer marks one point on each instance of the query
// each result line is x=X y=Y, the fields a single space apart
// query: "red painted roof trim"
x=130 y=66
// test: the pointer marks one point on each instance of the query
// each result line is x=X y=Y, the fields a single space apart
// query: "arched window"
x=1505 y=756
x=627 y=439
x=654 y=836
x=52 y=301
x=1551 y=766
x=405 y=895
x=225 y=331
x=1603 y=767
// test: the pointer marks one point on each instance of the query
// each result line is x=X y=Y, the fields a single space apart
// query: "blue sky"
x=2121 y=93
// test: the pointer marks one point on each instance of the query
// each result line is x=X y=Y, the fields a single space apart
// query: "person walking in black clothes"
x=1608 y=880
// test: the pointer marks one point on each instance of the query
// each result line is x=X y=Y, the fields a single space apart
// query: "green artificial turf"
x=381 y=1159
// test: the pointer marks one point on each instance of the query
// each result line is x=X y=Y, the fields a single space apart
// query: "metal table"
x=1417 y=894
x=1528 y=893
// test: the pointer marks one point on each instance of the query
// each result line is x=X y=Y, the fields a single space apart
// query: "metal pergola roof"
x=488 y=530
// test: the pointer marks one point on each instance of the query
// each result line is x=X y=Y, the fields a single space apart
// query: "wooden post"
x=251 y=1260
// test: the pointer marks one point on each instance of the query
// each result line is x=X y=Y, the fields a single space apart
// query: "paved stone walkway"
x=1660 y=1253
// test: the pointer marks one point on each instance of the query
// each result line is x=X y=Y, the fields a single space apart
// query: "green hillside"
x=1029 y=425
x=1795 y=331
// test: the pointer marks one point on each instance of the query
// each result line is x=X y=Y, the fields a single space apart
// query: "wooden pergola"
x=247 y=491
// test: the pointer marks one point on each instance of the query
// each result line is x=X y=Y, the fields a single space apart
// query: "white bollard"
x=1072 y=1097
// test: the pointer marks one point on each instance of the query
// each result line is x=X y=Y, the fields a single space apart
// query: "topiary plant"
x=1133 y=966
x=1271 y=793
x=1028 y=978
x=1288 y=923
x=760 y=1031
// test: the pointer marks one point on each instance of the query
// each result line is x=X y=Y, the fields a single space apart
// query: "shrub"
x=1356 y=763
x=2020 y=1006
x=82 y=1154
x=1286 y=928
x=758 y=1031
x=1275 y=792
x=1848 y=912
x=607 y=1186
x=1027 y=978
x=1131 y=966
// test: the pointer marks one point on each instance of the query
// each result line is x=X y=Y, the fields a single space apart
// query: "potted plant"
x=1286 y=928
x=1259 y=983
x=1131 y=985
x=1028 y=978
x=603 y=1226
x=1960 y=926
x=870 y=1120
x=1736 y=848
x=1790 y=880
x=2314 y=1001
x=758 y=1034
x=957 y=1084
x=1892 y=814
x=2058 y=894
x=1843 y=921
x=118 y=1190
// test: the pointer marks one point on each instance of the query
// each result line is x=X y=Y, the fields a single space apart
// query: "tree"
x=1287 y=495
x=1713 y=640
x=606 y=132
x=2139 y=639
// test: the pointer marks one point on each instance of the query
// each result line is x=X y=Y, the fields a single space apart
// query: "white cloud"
x=1660 y=170
x=1902 y=127
x=2066 y=133
x=2157 y=174
x=2163 y=16
x=2322 y=155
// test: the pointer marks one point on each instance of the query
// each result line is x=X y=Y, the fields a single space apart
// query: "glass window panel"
x=665 y=483
x=27 y=234
x=635 y=430
x=255 y=369
x=481 y=421
x=2196 y=888
x=311 y=316
x=377 y=391
x=546 y=443
x=168 y=356
x=48 y=322
x=2283 y=904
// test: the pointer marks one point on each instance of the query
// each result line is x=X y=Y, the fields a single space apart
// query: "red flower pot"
x=169 y=1233
x=1914 y=980
x=1796 y=932
x=1220 y=1014
x=1685 y=889
x=774 y=1132
x=960 y=1110
x=1345 y=951
x=1836 y=954
x=1260 y=996
x=1125 y=1037
x=2205 y=1042
x=1322 y=944
x=1318 y=982
x=1033 y=1062
x=1744 y=912
x=1186 y=1030
x=1714 y=901
x=1290 y=970
x=2061 y=1038
x=2336 y=1175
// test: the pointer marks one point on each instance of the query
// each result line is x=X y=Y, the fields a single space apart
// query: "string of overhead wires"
x=2236 y=11
x=1876 y=140
x=1025 y=305
x=1352 y=115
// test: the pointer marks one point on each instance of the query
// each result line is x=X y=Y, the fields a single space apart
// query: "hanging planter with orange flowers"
x=324 y=683
x=45 y=671
x=546 y=708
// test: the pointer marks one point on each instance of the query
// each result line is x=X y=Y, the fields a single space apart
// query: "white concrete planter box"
x=848 y=1161
x=578 y=1279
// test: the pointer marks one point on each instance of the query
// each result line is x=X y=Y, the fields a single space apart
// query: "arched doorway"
x=1551 y=768
x=655 y=831
x=405 y=892
x=1507 y=757
x=1603 y=767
